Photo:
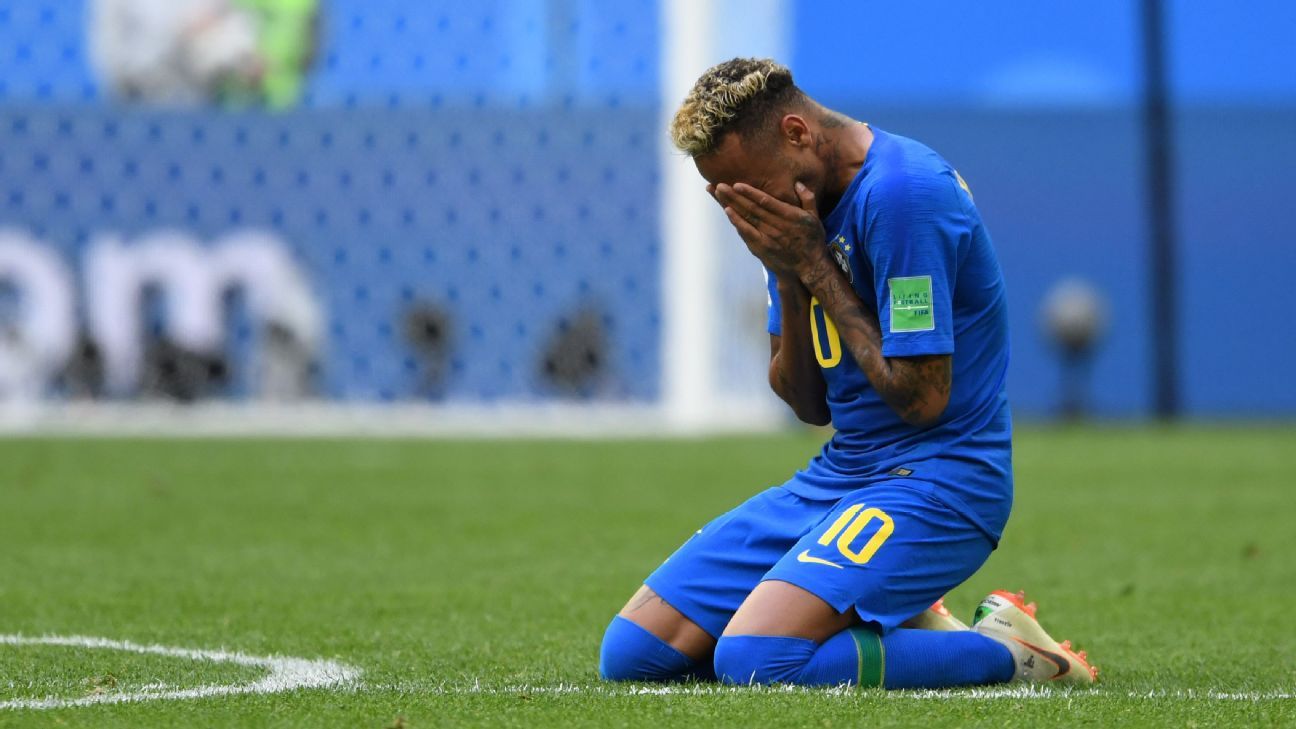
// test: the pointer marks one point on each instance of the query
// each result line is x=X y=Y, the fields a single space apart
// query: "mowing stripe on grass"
x=284 y=673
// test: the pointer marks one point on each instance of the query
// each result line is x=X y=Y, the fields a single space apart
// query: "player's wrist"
x=791 y=287
x=816 y=269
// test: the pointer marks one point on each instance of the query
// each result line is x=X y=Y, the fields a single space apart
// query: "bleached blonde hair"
x=731 y=96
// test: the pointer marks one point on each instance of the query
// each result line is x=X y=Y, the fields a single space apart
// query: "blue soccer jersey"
x=913 y=245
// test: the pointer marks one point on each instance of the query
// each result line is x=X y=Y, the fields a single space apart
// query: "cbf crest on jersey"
x=841 y=253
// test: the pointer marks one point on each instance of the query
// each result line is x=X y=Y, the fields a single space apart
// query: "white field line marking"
x=975 y=694
x=284 y=673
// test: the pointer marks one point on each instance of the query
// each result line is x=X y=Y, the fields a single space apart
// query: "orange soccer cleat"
x=1007 y=617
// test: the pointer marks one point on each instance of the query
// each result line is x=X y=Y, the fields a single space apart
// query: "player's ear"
x=795 y=130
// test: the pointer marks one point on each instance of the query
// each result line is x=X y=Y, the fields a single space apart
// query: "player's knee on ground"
x=761 y=659
x=631 y=653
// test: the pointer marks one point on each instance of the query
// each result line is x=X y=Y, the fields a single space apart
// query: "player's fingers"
x=745 y=206
x=711 y=191
x=726 y=195
x=807 y=199
x=746 y=230
x=765 y=201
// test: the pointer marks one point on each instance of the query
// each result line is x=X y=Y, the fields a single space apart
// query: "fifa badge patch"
x=841 y=254
x=911 y=304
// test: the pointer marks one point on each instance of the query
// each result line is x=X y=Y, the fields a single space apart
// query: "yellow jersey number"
x=827 y=343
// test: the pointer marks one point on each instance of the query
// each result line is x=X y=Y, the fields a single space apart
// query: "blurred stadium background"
x=463 y=217
x=452 y=219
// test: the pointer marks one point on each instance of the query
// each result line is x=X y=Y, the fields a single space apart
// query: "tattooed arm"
x=917 y=388
x=787 y=238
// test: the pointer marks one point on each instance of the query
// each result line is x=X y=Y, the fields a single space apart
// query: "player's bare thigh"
x=650 y=612
x=783 y=609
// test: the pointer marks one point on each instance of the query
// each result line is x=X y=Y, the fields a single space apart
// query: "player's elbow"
x=813 y=416
x=925 y=410
x=809 y=408
x=919 y=388
x=810 y=411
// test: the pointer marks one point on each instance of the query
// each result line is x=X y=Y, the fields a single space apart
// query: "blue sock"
x=939 y=659
x=858 y=656
x=630 y=653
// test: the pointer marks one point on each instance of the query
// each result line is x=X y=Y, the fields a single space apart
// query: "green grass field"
x=470 y=582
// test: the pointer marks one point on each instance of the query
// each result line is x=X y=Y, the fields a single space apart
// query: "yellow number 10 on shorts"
x=851 y=524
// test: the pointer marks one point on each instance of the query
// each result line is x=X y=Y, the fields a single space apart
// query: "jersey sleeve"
x=914 y=227
x=775 y=319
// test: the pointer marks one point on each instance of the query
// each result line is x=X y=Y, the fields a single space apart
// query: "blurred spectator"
x=428 y=331
x=175 y=372
x=184 y=52
x=289 y=36
x=574 y=363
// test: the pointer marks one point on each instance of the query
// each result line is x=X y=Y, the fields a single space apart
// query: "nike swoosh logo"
x=1063 y=665
x=805 y=557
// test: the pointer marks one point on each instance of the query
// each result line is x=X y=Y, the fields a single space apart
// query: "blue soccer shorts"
x=889 y=551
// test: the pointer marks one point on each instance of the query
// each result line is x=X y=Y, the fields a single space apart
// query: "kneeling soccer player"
x=887 y=318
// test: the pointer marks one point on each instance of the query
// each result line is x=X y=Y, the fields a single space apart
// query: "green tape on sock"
x=872 y=657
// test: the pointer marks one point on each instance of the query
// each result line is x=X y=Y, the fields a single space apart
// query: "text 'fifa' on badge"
x=911 y=304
